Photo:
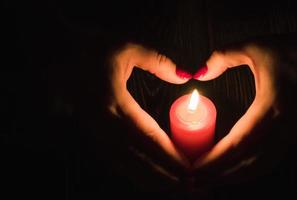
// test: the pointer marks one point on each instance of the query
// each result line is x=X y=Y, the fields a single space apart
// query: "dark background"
x=53 y=133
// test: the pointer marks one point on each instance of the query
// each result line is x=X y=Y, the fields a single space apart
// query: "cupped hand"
x=124 y=106
x=263 y=134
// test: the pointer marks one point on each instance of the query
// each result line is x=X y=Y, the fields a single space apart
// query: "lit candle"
x=192 y=123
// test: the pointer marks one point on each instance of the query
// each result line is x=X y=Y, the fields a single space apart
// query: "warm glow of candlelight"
x=194 y=100
x=192 y=125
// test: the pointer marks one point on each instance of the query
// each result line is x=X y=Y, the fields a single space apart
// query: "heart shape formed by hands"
x=262 y=62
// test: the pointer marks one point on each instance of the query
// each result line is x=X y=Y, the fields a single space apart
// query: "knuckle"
x=161 y=59
x=217 y=54
x=113 y=110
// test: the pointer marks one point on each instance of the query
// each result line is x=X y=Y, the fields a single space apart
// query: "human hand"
x=263 y=134
x=124 y=106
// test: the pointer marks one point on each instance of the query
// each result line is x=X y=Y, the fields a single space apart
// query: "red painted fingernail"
x=201 y=72
x=183 y=74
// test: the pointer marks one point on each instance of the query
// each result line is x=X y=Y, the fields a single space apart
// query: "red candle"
x=192 y=123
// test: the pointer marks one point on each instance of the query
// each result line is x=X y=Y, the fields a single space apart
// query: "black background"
x=52 y=144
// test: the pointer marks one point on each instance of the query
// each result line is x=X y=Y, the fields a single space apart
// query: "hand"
x=123 y=105
x=263 y=134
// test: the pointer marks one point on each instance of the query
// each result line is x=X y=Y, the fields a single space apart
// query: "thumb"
x=220 y=61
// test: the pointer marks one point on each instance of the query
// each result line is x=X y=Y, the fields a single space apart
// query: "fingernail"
x=200 y=73
x=183 y=74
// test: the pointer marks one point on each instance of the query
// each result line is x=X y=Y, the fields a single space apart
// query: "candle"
x=192 y=123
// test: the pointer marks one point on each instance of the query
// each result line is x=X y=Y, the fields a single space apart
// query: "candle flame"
x=194 y=100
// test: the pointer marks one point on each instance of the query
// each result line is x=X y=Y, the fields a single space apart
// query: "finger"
x=219 y=62
x=265 y=96
x=158 y=64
